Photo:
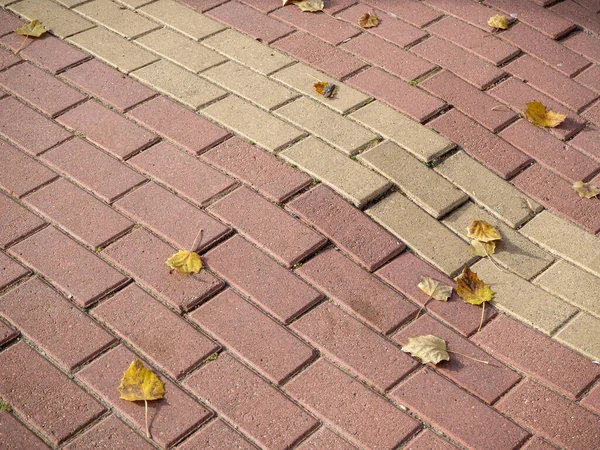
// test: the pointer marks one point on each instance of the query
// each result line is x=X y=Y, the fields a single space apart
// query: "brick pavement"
x=136 y=122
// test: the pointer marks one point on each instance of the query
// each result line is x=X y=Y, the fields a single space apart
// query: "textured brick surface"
x=470 y=12
x=592 y=400
x=9 y=22
x=110 y=434
x=581 y=335
x=20 y=174
x=15 y=435
x=584 y=44
x=410 y=11
x=7 y=333
x=428 y=440
x=325 y=438
x=18 y=221
x=578 y=14
x=10 y=271
x=593 y=114
x=536 y=443
x=8 y=59
x=590 y=78
x=120 y=20
x=216 y=436
x=588 y=142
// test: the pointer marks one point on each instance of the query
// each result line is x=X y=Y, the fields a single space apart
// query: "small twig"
x=22 y=45
x=147 y=429
x=501 y=269
x=467 y=356
x=197 y=240
x=423 y=306
x=495 y=108
x=482 y=315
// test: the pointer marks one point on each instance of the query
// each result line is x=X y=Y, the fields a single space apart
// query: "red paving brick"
x=593 y=113
x=169 y=419
x=178 y=124
x=180 y=348
x=203 y=5
x=216 y=436
x=10 y=271
x=592 y=400
x=8 y=22
x=552 y=416
x=357 y=291
x=355 y=411
x=109 y=434
x=7 y=59
x=17 y=220
x=7 y=333
x=325 y=438
x=536 y=443
x=264 y=281
x=397 y=93
x=578 y=14
x=474 y=13
x=60 y=259
x=144 y=257
x=346 y=341
x=584 y=44
x=250 y=403
x=423 y=394
x=408 y=10
x=588 y=142
x=267 y=346
x=267 y=226
x=538 y=356
x=16 y=435
x=56 y=416
x=590 y=78
x=428 y=440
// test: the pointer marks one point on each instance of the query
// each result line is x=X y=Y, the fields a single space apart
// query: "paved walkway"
x=319 y=217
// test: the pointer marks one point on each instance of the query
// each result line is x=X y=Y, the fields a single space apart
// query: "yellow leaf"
x=319 y=86
x=427 y=349
x=482 y=249
x=368 y=21
x=140 y=383
x=185 y=262
x=471 y=289
x=434 y=289
x=498 y=21
x=586 y=190
x=483 y=231
x=537 y=114
x=311 y=5
x=33 y=28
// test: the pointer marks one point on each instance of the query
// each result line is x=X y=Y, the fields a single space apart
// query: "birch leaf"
x=483 y=231
x=368 y=21
x=471 y=289
x=435 y=289
x=427 y=349
x=483 y=249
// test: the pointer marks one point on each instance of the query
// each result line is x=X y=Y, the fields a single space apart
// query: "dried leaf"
x=537 y=114
x=311 y=5
x=33 y=29
x=482 y=249
x=482 y=231
x=185 y=262
x=434 y=289
x=140 y=383
x=586 y=190
x=427 y=349
x=368 y=21
x=471 y=289
x=329 y=90
x=319 y=86
x=498 y=22
x=289 y=2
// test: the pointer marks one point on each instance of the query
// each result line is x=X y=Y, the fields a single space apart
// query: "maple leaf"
x=187 y=261
x=31 y=29
x=498 y=22
x=538 y=115
x=427 y=349
x=474 y=291
x=483 y=249
x=482 y=231
x=586 y=190
x=368 y=21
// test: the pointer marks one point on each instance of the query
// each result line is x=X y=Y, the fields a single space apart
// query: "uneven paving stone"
x=425 y=187
x=10 y=271
x=267 y=346
x=352 y=180
x=346 y=341
x=404 y=274
x=109 y=434
x=54 y=324
x=353 y=232
x=581 y=334
x=265 y=282
x=552 y=416
x=583 y=44
x=248 y=51
x=216 y=436
x=20 y=174
x=180 y=348
x=250 y=403
x=17 y=435
x=18 y=221
x=417 y=14
x=267 y=226
x=120 y=20
x=428 y=440
x=58 y=416
x=422 y=394
x=60 y=21
x=422 y=233
x=579 y=15
x=357 y=291
x=407 y=133
x=170 y=419
x=7 y=334
x=325 y=438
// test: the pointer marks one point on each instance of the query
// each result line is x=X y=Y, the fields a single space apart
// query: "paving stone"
x=488 y=190
x=590 y=78
x=112 y=49
x=589 y=4
x=301 y=77
x=248 y=51
x=246 y=331
x=469 y=100
x=120 y=20
x=428 y=440
x=18 y=221
x=170 y=419
x=593 y=114
x=109 y=434
x=250 y=85
x=265 y=282
x=17 y=435
x=325 y=438
x=422 y=233
x=537 y=443
x=588 y=142
x=346 y=341
x=583 y=44
x=250 y=403
x=60 y=21
x=404 y=274
x=421 y=184
x=409 y=11
x=578 y=14
x=565 y=239
x=9 y=21
x=162 y=212
x=185 y=128
x=470 y=12
x=353 y=181
x=397 y=93
x=472 y=39
x=264 y=6
x=107 y=84
x=336 y=396
x=264 y=172
x=8 y=59
x=143 y=255
x=347 y=227
x=216 y=436
x=407 y=133
x=319 y=54
x=10 y=271
x=592 y=400
x=581 y=334
x=552 y=416
x=357 y=291
x=71 y=3
x=180 y=348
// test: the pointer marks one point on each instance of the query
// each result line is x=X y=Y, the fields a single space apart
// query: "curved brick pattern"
x=110 y=434
x=581 y=335
x=325 y=438
x=15 y=435
x=216 y=436
x=10 y=271
x=18 y=221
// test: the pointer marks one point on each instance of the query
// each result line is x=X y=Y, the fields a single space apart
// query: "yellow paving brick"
x=565 y=239
x=421 y=141
x=523 y=299
x=572 y=284
x=302 y=78
x=422 y=233
x=178 y=83
x=352 y=180
x=422 y=185
x=59 y=20
x=249 y=52
x=113 y=49
x=335 y=129
x=582 y=335
x=133 y=4
x=514 y=251
x=487 y=189
x=181 y=50
x=250 y=85
x=253 y=123
x=116 y=18
x=68 y=3
x=182 y=19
